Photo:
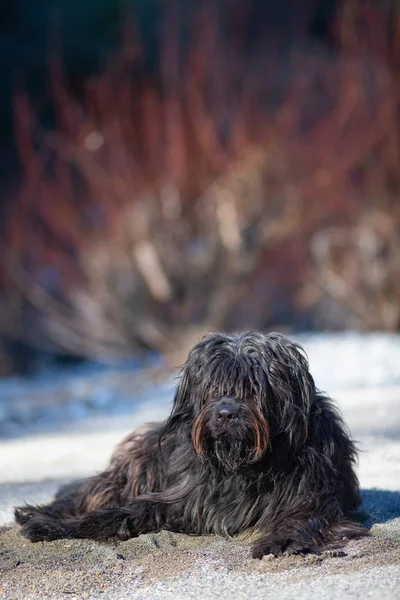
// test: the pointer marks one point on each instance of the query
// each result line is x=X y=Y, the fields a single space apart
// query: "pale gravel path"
x=362 y=374
x=381 y=582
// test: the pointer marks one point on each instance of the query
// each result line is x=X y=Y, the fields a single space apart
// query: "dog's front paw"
x=270 y=546
x=126 y=530
x=278 y=546
x=43 y=529
x=301 y=547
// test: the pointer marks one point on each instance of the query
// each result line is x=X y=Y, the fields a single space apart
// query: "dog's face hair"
x=238 y=394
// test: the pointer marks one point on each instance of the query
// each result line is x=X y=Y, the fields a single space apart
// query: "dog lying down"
x=250 y=444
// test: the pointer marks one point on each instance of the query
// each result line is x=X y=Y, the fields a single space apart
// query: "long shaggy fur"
x=250 y=443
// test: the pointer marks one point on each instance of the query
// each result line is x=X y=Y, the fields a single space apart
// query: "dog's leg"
x=123 y=523
x=305 y=530
x=66 y=503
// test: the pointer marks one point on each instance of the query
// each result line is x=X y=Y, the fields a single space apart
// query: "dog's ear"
x=292 y=386
x=182 y=408
x=191 y=387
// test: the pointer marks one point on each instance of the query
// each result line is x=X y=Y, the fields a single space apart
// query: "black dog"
x=250 y=443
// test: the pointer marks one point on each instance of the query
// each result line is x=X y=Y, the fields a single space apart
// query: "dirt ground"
x=162 y=563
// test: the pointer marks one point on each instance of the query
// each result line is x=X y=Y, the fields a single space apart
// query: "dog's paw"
x=298 y=547
x=274 y=547
x=126 y=531
x=43 y=529
x=278 y=546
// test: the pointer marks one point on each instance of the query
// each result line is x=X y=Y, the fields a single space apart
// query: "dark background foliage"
x=170 y=167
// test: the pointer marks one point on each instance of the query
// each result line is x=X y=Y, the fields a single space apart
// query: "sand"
x=176 y=566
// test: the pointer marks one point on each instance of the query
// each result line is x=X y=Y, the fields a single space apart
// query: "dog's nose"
x=226 y=412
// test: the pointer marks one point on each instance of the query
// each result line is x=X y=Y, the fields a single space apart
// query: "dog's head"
x=241 y=394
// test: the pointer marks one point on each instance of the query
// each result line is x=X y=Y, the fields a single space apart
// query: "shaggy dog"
x=250 y=444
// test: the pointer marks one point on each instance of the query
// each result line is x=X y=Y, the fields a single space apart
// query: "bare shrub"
x=157 y=209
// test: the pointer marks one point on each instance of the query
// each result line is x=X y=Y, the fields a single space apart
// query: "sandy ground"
x=177 y=566
x=174 y=566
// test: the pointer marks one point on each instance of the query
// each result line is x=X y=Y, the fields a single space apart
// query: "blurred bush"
x=234 y=187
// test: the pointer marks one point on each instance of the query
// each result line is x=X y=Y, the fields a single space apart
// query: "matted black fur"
x=250 y=444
